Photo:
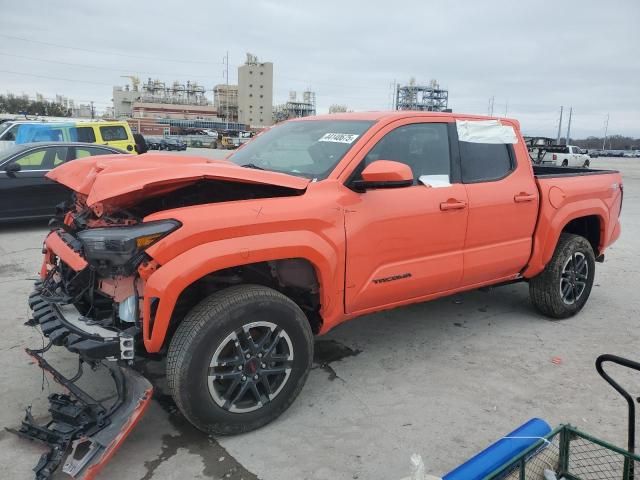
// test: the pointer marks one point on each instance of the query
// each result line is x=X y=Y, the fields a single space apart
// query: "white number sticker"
x=339 y=137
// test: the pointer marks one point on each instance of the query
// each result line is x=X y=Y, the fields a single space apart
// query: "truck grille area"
x=64 y=285
x=61 y=333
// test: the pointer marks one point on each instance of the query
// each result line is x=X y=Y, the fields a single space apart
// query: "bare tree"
x=335 y=108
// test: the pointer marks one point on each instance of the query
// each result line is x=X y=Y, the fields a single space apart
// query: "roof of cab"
x=398 y=114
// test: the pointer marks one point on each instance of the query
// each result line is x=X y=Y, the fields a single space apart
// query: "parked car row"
x=116 y=134
x=160 y=143
x=615 y=153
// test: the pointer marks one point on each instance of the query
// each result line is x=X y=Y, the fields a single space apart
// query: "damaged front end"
x=88 y=302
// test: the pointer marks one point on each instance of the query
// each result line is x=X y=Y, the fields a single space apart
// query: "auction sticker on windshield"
x=339 y=137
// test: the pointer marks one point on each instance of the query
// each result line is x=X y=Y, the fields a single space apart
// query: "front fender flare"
x=168 y=282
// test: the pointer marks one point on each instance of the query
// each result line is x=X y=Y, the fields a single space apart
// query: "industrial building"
x=225 y=101
x=430 y=97
x=155 y=106
x=294 y=107
x=156 y=99
x=255 y=92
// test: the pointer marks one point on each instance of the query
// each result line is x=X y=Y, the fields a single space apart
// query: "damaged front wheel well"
x=294 y=277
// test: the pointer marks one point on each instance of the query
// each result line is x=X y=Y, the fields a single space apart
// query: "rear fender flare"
x=545 y=240
x=167 y=283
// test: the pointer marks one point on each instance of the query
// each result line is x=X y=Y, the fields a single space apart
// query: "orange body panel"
x=575 y=197
x=371 y=251
x=56 y=245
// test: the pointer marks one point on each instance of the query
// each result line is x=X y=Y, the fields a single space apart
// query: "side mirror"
x=13 y=168
x=384 y=174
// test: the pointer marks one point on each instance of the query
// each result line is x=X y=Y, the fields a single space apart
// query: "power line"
x=97 y=67
x=106 y=52
x=74 y=80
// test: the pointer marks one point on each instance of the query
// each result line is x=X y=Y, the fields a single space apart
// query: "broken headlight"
x=115 y=246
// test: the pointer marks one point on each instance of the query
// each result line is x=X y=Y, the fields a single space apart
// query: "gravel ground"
x=442 y=379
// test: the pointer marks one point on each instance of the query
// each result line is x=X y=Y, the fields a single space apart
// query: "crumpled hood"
x=122 y=180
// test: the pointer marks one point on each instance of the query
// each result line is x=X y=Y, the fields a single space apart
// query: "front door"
x=406 y=243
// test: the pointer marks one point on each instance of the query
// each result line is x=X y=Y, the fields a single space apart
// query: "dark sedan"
x=173 y=144
x=25 y=193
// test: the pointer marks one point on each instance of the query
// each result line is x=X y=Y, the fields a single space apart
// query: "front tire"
x=565 y=163
x=564 y=286
x=239 y=359
x=586 y=164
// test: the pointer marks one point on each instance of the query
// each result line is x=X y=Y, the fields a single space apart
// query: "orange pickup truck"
x=228 y=268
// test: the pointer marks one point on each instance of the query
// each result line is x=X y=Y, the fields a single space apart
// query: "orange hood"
x=119 y=180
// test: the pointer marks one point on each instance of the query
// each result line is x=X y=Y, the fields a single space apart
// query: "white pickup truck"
x=562 y=155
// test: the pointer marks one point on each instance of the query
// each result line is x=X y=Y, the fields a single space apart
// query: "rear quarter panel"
x=565 y=198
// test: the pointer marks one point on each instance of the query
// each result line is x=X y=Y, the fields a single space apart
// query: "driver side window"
x=423 y=146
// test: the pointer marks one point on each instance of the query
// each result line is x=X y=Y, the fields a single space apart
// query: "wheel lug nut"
x=255 y=377
x=247 y=356
x=243 y=378
x=263 y=365
x=239 y=367
x=260 y=355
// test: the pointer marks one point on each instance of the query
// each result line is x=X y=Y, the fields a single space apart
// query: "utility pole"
x=227 y=93
x=506 y=108
x=93 y=112
x=559 y=126
x=393 y=95
x=606 y=127
x=490 y=109
x=569 y=126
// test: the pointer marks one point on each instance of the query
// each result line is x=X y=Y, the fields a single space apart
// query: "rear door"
x=503 y=208
x=27 y=193
x=406 y=243
x=116 y=136
x=85 y=134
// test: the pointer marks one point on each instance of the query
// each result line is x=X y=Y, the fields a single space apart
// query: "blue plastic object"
x=501 y=451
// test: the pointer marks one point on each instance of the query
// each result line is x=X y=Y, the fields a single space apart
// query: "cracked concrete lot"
x=442 y=379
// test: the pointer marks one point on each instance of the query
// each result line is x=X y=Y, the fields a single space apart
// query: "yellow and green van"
x=113 y=133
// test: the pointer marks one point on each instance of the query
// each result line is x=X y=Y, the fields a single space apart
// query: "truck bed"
x=567 y=193
x=544 y=171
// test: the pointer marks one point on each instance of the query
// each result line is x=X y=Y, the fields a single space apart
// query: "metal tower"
x=430 y=98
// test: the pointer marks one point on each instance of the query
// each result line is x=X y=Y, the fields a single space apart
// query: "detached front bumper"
x=64 y=326
x=83 y=432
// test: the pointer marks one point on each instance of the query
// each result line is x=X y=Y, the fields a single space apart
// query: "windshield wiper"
x=252 y=165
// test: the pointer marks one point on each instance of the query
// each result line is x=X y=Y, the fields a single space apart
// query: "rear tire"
x=239 y=359
x=563 y=287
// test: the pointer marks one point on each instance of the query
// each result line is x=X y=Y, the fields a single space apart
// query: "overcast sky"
x=532 y=56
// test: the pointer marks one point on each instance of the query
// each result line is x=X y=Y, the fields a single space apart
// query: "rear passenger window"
x=86 y=135
x=113 y=133
x=99 y=151
x=485 y=162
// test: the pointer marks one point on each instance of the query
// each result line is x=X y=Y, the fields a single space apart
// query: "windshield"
x=5 y=126
x=309 y=148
